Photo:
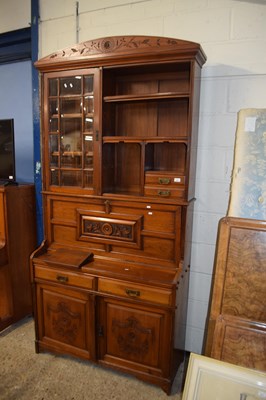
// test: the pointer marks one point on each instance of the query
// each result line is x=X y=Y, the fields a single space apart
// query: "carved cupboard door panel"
x=66 y=320
x=134 y=337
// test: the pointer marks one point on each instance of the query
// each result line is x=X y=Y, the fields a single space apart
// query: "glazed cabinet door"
x=65 y=321
x=135 y=337
x=71 y=129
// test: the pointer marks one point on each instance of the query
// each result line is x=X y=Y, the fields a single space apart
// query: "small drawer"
x=163 y=192
x=164 y=179
x=64 y=277
x=135 y=291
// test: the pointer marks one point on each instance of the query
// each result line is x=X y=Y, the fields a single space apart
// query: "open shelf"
x=147 y=79
x=141 y=97
x=143 y=139
x=132 y=167
x=167 y=118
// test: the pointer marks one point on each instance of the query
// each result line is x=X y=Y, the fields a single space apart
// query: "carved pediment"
x=124 y=46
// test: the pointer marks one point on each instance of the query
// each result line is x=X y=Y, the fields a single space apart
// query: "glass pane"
x=71 y=159
x=69 y=126
x=88 y=178
x=88 y=104
x=88 y=84
x=71 y=178
x=53 y=108
x=70 y=85
x=88 y=126
x=88 y=149
x=71 y=135
x=54 y=177
x=54 y=153
x=53 y=87
x=71 y=106
x=53 y=125
x=70 y=144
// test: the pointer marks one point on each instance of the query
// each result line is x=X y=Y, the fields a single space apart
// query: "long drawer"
x=135 y=291
x=65 y=277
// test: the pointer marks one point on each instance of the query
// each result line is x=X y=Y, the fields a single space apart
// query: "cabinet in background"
x=119 y=118
x=17 y=241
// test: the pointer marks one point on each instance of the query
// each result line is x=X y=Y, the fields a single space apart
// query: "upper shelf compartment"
x=154 y=82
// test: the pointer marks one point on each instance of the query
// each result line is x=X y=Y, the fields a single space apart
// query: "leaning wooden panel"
x=240 y=342
x=239 y=287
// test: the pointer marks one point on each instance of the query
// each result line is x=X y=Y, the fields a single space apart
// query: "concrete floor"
x=25 y=375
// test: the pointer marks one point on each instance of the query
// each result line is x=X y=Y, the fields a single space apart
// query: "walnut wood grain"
x=237 y=316
x=241 y=342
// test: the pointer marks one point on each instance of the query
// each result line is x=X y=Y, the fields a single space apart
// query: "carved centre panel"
x=132 y=337
x=65 y=323
x=109 y=228
x=133 y=334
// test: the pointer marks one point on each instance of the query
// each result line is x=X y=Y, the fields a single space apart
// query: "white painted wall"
x=14 y=14
x=233 y=35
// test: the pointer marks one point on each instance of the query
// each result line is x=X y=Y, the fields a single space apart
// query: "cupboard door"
x=65 y=319
x=134 y=337
x=71 y=124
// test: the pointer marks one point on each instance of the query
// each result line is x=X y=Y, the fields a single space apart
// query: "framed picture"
x=210 y=379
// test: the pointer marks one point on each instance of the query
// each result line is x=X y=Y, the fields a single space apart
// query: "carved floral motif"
x=104 y=228
x=112 y=44
x=132 y=337
x=65 y=322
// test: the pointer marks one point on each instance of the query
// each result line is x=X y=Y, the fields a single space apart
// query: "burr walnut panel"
x=238 y=340
x=237 y=316
x=245 y=273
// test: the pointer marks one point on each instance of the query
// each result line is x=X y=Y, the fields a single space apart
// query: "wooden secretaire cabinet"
x=119 y=135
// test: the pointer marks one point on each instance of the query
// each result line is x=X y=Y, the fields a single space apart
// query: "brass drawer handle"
x=132 y=293
x=164 y=193
x=164 y=181
x=62 y=279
